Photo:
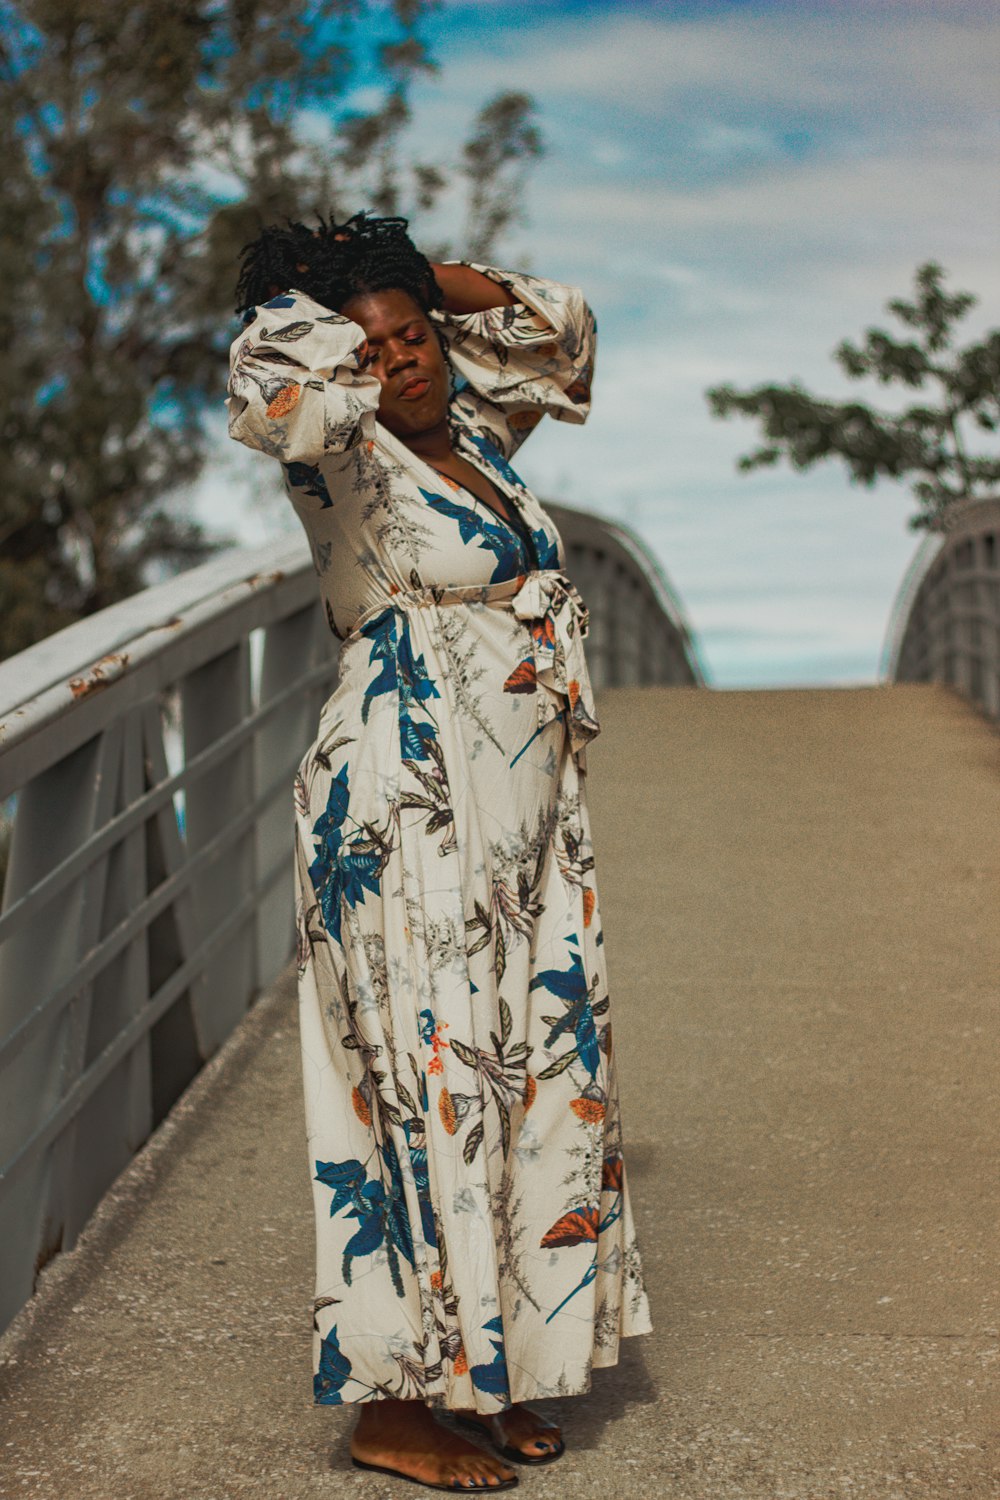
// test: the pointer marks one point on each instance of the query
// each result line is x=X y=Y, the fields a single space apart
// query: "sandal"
x=454 y=1487
x=507 y=1450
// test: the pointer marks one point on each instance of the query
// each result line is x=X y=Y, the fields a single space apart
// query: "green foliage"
x=927 y=442
x=146 y=143
x=496 y=157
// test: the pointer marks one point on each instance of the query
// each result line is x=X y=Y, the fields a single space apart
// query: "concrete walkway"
x=801 y=892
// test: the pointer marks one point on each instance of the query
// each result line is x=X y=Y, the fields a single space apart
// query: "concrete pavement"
x=801 y=892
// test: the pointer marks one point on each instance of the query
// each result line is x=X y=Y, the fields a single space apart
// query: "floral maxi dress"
x=474 y=1236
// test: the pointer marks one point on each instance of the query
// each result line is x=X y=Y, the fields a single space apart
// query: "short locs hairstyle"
x=334 y=262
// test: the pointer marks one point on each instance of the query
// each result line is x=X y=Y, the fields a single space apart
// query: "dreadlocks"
x=335 y=262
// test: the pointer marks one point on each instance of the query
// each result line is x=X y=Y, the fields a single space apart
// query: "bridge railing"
x=945 y=622
x=146 y=763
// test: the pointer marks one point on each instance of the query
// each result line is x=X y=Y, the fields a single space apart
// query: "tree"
x=928 y=442
x=145 y=145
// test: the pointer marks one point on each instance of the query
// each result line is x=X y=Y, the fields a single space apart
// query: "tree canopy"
x=931 y=443
x=146 y=143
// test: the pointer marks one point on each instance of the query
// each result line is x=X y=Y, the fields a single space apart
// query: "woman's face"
x=405 y=355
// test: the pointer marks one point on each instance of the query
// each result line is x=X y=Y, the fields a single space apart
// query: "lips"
x=414 y=388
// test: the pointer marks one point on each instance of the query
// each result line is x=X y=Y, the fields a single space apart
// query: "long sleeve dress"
x=474 y=1236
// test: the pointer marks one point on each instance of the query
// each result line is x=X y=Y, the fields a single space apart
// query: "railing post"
x=215 y=698
x=56 y=813
x=113 y=1123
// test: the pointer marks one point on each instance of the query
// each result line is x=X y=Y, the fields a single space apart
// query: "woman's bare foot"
x=403 y=1435
x=520 y=1427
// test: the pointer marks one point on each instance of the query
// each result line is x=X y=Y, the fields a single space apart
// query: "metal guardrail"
x=945 y=621
x=148 y=754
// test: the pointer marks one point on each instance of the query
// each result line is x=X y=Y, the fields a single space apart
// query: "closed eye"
x=413 y=338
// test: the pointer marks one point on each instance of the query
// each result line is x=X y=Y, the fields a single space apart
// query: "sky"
x=736 y=187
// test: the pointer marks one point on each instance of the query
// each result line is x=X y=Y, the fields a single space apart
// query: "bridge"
x=799 y=889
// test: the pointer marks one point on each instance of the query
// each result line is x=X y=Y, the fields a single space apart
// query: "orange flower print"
x=446 y=1110
x=461 y=1365
x=361 y=1109
x=284 y=401
x=590 y=1111
x=530 y=1090
x=430 y=1032
x=436 y=1280
x=589 y=898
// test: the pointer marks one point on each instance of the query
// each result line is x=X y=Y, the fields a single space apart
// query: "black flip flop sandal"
x=430 y=1484
x=507 y=1450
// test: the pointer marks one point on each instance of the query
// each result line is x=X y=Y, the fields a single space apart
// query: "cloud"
x=819 y=60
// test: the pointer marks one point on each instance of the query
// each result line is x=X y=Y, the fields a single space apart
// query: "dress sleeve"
x=297 y=387
x=523 y=360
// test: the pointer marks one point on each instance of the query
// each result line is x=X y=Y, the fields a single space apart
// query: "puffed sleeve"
x=520 y=361
x=297 y=387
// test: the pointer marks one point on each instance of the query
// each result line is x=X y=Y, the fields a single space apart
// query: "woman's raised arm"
x=297 y=385
x=467 y=290
x=525 y=346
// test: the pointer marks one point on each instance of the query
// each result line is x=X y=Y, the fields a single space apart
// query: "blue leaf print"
x=413 y=738
x=421 y=1178
x=493 y=536
x=333 y=1373
x=492 y=1377
x=398 y=1222
x=337 y=802
x=338 y=869
x=470 y=523
x=494 y=458
x=308 y=477
x=280 y=302
x=416 y=682
x=367 y=1239
x=546 y=549
x=586 y=1041
x=569 y=984
x=382 y=633
x=345 y=1177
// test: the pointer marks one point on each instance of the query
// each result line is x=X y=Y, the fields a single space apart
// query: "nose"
x=396 y=355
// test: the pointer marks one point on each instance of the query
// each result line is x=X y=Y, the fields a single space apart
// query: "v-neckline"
x=459 y=485
x=506 y=490
x=526 y=541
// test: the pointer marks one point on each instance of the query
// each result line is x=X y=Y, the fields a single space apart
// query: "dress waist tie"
x=559 y=620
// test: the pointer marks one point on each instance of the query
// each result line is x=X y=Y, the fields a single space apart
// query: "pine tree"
x=927 y=442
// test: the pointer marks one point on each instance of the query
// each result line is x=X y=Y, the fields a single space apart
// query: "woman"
x=475 y=1246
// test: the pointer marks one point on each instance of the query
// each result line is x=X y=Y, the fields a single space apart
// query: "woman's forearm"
x=468 y=291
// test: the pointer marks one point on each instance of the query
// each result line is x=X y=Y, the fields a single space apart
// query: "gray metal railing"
x=945 y=621
x=147 y=757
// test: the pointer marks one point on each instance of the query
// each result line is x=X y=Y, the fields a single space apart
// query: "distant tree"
x=495 y=159
x=145 y=144
x=928 y=442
